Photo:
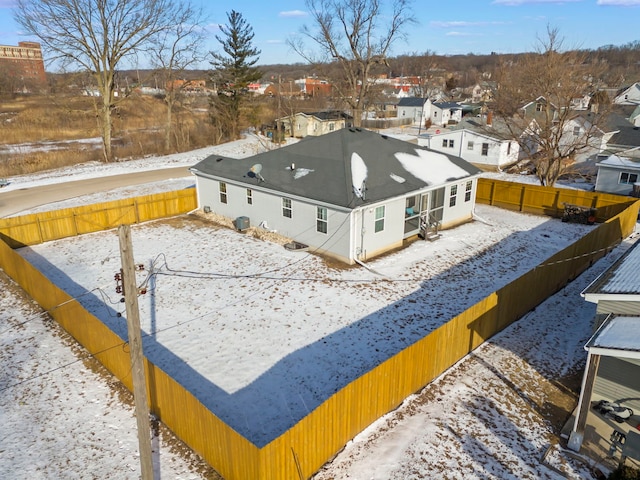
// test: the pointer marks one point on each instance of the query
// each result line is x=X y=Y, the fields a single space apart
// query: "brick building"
x=22 y=67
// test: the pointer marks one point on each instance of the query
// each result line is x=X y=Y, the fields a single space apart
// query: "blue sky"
x=447 y=28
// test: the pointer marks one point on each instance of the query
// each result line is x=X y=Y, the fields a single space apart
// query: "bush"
x=625 y=473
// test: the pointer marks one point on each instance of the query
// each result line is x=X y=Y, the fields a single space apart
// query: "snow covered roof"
x=617 y=161
x=346 y=168
x=618 y=336
x=620 y=282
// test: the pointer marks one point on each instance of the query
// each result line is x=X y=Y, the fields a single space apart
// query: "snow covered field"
x=278 y=317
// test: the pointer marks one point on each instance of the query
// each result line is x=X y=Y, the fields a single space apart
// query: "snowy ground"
x=486 y=418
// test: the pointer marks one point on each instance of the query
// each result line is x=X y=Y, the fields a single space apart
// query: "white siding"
x=608 y=180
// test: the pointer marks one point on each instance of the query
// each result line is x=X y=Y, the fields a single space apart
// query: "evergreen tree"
x=233 y=71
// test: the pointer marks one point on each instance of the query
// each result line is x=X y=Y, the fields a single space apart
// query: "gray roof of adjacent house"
x=497 y=130
x=330 y=115
x=621 y=278
x=628 y=136
x=333 y=168
x=450 y=105
x=412 y=102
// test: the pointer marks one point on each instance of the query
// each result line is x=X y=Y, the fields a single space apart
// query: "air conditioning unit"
x=242 y=223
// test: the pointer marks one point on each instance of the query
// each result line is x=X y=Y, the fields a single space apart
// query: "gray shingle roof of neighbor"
x=412 y=102
x=627 y=136
x=325 y=168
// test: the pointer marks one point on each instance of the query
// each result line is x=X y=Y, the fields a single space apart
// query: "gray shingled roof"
x=411 y=102
x=323 y=168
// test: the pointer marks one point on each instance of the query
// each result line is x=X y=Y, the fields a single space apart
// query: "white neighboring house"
x=629 y=95
x=619 y=175
x=484 y=145
x=416 y=108
x=302 y=124
x=444 y=112
x=352 y=194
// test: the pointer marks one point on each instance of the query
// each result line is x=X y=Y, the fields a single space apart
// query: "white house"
x=444 y=112
x=418 y=109
x=302 y=124
x=612 y=372
x=352 y=194
x=619 y=175
x=629 y=95
x=487 y=146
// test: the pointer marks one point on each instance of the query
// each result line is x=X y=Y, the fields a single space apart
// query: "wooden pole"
x=130 y=292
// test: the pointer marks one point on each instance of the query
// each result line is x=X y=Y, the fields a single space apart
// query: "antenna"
x=254 y=172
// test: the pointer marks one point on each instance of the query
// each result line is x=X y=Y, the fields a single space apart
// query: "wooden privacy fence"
x=303 y=449
x=47 y=226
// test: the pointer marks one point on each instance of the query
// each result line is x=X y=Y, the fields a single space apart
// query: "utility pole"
x=130 y=293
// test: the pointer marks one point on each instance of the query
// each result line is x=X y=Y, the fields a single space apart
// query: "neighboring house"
x=314 y=87
x=619 y=175
x=302 y=124
x=352 y=194
x=537 y=107
x=483 y=92
x=612 y=371
x=415 y=108
x=486 y=145
x=629 y=95
x=443 y=113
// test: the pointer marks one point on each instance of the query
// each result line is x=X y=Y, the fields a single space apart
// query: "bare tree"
x=97 y=36
x=348 y=32
x=535 y=97
x=173 y=51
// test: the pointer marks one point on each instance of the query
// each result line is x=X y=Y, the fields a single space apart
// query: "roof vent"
x=293 y=166
x=219 y=159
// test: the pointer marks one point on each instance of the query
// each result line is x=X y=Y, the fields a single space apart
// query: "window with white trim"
x=445 y=143
x=453 y=193
x=470 y=145
x=223 y=192
x=379 y=225
x=321 y=219
x=467 y=191
x=626 y=177
x=485 y=149
x=450 y=143
x=576 y=131
x=286 y=208
x=249 y=196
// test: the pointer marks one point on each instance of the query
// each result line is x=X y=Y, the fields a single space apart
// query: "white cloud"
x=620 y=3
x=293 y=13
x=457 y=34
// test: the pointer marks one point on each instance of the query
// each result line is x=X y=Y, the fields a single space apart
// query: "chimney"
x=489 y=118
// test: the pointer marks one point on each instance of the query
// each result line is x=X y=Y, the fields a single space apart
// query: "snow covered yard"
x=62 y=414
x=492 y=416
x=218 y=302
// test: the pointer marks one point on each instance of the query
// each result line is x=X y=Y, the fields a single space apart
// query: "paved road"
x=15 y=201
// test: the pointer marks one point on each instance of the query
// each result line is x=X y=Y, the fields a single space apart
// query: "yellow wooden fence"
x=303 y=449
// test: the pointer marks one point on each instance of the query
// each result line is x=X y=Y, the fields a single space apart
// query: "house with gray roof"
x=415 y=108
x=352 y=194
x=612 y=372
x=444 y=113
x=304 y=124
x=628 y=95
x=488 y=144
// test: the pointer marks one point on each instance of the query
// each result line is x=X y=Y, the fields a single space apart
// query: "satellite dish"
x=255 y=170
